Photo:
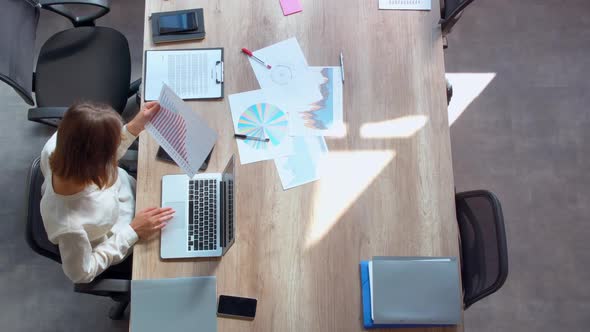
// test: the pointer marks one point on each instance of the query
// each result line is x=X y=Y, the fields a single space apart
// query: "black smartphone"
x=163 y=156
x=236 y=307
x=177 y=23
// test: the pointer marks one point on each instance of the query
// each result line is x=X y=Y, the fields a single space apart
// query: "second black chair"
x=82 y=63
x=484 y=254
x=450 y=12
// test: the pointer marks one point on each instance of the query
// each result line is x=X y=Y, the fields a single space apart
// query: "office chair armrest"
x=57 y=6
x=129 y=162
x=134 y=87
x=105 y=287
x=129 y=156
x=47 y=115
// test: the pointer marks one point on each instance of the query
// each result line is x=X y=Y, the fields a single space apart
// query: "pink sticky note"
x=291 y=7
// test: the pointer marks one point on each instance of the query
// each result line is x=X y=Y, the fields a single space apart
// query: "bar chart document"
x=192 y=73
x=181 y=132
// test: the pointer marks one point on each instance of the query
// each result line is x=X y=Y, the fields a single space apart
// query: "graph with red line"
x=181 y=132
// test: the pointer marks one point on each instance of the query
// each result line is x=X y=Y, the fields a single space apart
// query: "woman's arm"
x=138 y=123
x=127 y=139
x=81 y=263
x=136 y=126
x=46 y=152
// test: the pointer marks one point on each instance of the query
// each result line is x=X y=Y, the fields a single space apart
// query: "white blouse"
x=91 y=227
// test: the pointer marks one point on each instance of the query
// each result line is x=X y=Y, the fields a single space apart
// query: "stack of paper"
x=410 y=291
x=295 y=108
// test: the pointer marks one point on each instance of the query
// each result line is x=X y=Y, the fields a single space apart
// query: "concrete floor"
x=526 y=138
x=35 y=295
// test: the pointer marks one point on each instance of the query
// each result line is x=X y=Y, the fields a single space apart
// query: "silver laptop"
x=204 y=223
x=416 y=290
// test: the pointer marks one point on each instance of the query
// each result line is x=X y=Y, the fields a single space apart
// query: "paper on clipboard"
x=191 y=73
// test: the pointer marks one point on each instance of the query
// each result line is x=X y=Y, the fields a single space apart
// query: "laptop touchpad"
x=179 y=220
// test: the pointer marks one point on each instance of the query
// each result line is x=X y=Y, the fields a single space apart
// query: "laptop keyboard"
x=202 y=209
x=230 y=209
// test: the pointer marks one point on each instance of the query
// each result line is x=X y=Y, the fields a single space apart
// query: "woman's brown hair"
x=87 y=141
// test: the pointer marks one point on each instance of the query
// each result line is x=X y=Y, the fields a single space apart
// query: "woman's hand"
x=149 y=221
x=138 y=123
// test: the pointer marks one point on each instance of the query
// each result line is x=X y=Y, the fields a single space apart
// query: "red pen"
x=250 y=54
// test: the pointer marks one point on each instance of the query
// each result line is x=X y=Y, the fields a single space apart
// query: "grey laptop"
x=204 y=223
x=416 y=290
x=177 y=304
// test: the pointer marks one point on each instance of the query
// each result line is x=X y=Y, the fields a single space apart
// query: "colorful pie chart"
x=263 y=121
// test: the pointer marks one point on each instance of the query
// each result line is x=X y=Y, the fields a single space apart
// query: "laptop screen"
x=228 y=194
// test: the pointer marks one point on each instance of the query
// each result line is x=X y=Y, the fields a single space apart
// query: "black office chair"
x=114 y=282
x=484 y=256
x=82 y=63
x=450 y=12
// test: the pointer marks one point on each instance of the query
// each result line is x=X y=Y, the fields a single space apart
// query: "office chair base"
x=117 y=311
x=449 y=92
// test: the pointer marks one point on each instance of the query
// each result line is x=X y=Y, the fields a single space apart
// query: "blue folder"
x=366 y=300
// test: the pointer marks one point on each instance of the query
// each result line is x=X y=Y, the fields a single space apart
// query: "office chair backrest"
x=18 y=26
x=35 y=230
x=451 y=12
x=103 y=285
x=484 y=256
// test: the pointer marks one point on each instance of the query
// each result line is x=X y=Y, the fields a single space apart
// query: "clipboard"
x=193 y=74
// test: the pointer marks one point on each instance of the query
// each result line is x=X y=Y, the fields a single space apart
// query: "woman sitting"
x=88 y=202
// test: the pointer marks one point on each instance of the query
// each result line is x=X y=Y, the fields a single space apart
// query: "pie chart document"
x=260 y=119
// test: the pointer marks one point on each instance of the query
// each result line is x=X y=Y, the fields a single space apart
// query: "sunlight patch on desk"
x=466 y=87
x=344 y=177
x=402 y=127
x=341 y=133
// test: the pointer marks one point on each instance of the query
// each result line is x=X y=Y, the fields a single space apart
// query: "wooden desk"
x=298 y=251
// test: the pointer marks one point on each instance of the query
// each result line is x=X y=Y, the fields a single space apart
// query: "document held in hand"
x=181 y=132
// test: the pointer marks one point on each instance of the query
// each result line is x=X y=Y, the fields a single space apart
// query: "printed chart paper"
x=323 y=117
x=181 y=132
x=405 y=4
x=190 y=73
x=303 y=166
x=254 y=115
x=290 y=81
